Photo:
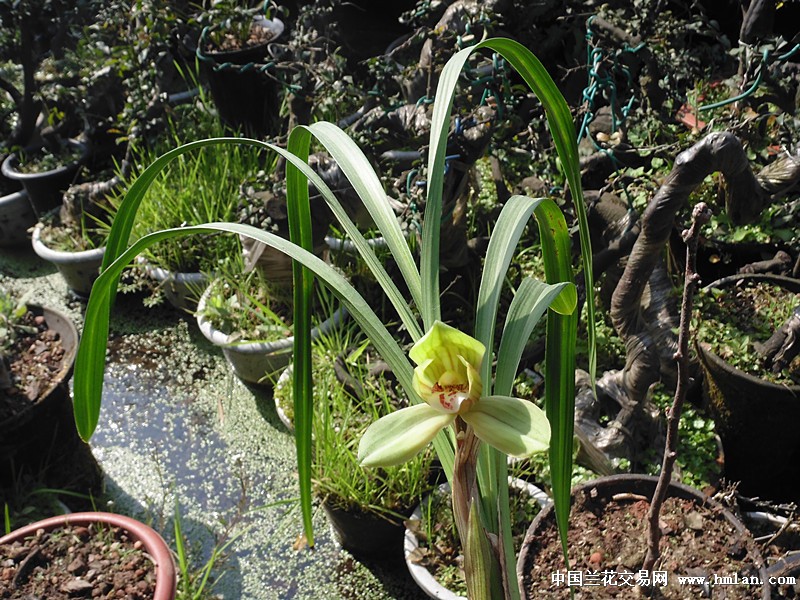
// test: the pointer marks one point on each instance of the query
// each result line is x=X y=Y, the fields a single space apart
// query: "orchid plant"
x=471 y=425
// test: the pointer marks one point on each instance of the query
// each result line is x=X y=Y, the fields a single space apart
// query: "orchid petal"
x=401 y=435
x=513 y=426
x=444 y=344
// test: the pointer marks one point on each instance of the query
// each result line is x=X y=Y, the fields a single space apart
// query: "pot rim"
x=60 y=256
x=709 y=356
x=218 y=338
x=10 y=164
x=275 y=25
x=152 y=542
x=14 y=197
x=683 y=490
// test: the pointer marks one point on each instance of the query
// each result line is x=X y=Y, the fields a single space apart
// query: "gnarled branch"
x=640 y=304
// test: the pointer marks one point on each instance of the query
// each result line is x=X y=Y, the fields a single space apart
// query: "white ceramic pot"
x=16 y=218
x=79 y=269
x=420 y=574
x=257 y=362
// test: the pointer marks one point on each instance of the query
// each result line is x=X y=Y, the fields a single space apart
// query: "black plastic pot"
x=605 y=488
x=246 y=98
x=757 y=420
x=46 y=189
x=366 y=535
x=42 y=439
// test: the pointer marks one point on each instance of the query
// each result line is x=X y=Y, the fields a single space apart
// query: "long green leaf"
x=365 y=181
x=562 y=129
x=559 y=386
x=531 y=301
x=557 y=266
x=299 y=215
x=555 y=242
x=89 y=363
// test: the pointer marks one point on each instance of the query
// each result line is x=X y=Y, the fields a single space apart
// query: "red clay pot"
x=153 y=544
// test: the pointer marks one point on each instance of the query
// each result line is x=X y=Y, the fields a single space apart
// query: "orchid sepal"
x=399 y=436
x=514 y=426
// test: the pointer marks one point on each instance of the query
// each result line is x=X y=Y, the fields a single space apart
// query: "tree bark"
x=640 y=305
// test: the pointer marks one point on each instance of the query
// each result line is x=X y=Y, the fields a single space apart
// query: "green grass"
x=339 y=420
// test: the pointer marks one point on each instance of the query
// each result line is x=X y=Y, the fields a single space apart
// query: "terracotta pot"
x=152 y=543
x=247 y=99
x=757 y=420
x=42 y=438
x=16 y=218
x=257 y=362
x=639 y=485
x=420 y=574
x=45 y=189
x=79 y=269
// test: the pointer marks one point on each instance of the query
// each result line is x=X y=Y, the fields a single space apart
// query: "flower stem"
x=481 y=566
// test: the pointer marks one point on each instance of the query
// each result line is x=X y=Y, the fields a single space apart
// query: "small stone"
x=77 y=587
x=595 y=559
x=77 y=566
x=693 y=520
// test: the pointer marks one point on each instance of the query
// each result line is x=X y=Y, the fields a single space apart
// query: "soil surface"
x=607 y=541
x=77 y=562
x=34 y=360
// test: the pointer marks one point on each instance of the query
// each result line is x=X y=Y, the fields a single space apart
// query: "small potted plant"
x=366 y=509
x=46 y=171
x=37 y=351
x=752 y=388
x=250 y=318
x=76 y=249
x=87 y=554
x=233 y=46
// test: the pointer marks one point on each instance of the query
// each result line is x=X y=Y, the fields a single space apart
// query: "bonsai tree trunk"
x=641 y=310
x=27 y=107
x=781 y=348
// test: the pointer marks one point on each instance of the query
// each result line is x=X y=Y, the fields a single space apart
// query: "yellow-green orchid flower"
x=447 y=378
